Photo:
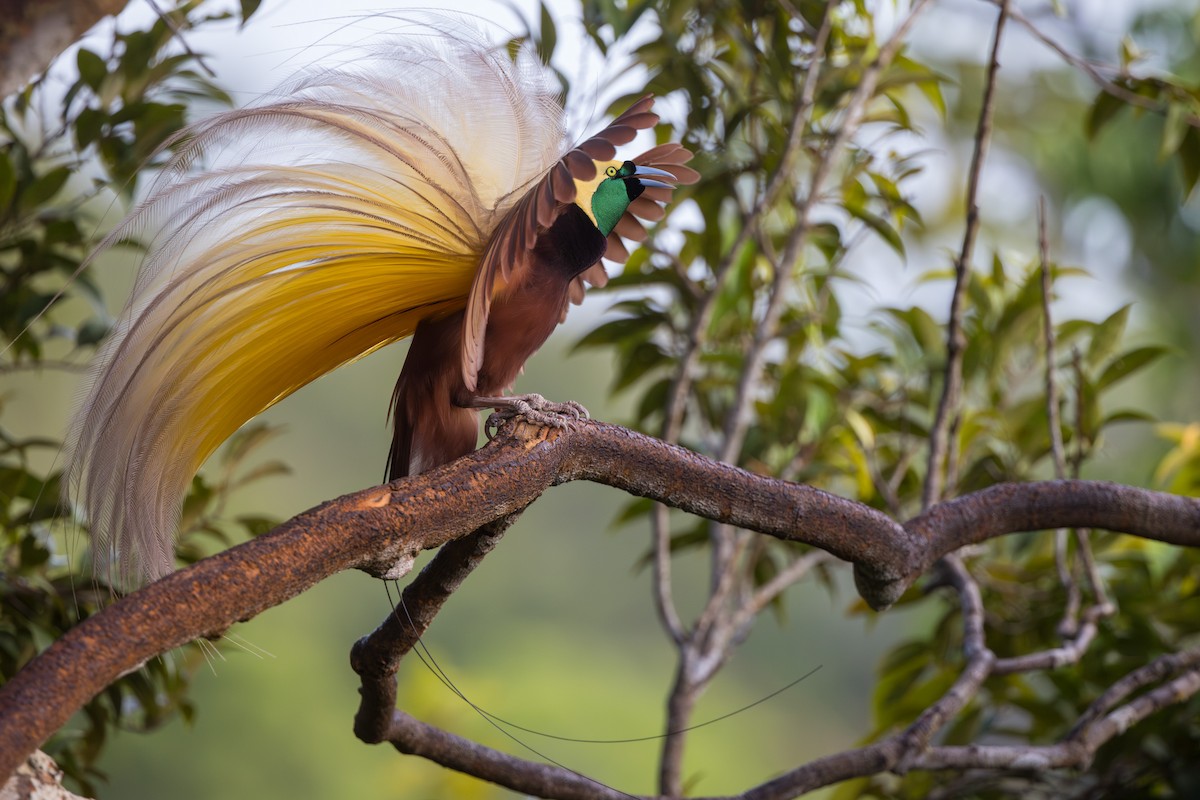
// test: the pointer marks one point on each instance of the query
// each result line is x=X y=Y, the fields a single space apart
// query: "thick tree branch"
x=34 y=32
x=381 y=530
x=376 y=657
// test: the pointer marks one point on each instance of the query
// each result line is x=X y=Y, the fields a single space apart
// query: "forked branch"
x=381 y=530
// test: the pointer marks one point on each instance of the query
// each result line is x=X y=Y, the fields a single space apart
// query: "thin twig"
x=1083 y=545
x=1071 y=652
x=684 y=690
x=1068 y=626
x=1157 y=670
x=376 y=657
x=955 y=338
x=664 y=603
x=45 y=364
x=1090 y=69
x=178 y=33
x=1050 y=347
x=714 y=627
x=769 y=591
x=737 y=419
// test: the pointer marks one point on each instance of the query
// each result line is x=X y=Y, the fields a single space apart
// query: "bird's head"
x=605 y=197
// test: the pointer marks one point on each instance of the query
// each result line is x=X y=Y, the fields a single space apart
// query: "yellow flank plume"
x=326 y=224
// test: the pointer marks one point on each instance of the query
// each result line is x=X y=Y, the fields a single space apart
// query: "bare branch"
x=1049 y=346
x=1069 y=625
x=376 y=657
x=1081 y=745
x=1045 y=505
x=955 y=338
x=1157 y=670
x=770 y=590
x=382 y=529
x=417 y=738
x=1070 y=653
x=1093 y=71
x=677 y=402
x=664 y=602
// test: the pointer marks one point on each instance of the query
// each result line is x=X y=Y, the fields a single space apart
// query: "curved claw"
x=531 y=407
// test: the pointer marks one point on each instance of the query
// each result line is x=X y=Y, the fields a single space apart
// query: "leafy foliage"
x=112 y=126
x=851 y=410
x=733 y=330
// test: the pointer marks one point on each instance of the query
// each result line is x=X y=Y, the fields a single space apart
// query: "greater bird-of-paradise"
x=428 y=190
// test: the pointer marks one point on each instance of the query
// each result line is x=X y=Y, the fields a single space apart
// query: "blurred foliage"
x=837 y=403
x=1143 y=160
x=850 y=410
x=63 y=155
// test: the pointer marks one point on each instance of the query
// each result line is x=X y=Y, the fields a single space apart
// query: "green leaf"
x=43 y=188
x=1175 y=128
x=88 y=126
x=1102 y=112
x=548 y=38
x=881 y=226
x=1128 y=363
x=1189 y=159
x=8 y=182
x=925 y=331
x=645 y=357
x=268 y=469
x=626 y=329
x=92 y=68
x=1108 y=335
x=256 y=525
x=680 y=542
x=1127 y=415
x=654 y=399
x=247 y=440
x=91 y=332
x=248 y=9
x=635 y=509
x=1130 y=52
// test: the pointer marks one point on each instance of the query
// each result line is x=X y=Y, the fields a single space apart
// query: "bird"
x=426 y=188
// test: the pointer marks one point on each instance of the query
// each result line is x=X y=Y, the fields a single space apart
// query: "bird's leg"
x=532 y=407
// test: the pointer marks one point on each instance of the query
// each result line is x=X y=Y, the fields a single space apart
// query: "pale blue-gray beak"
x=642 y=173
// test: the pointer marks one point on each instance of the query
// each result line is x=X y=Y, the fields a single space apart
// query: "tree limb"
x=34 y=32
x=381 y=530
x=947 y=408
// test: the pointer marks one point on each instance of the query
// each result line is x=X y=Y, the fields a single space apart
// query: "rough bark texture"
x=34 y=32
x=381 y=530
x=39 y=777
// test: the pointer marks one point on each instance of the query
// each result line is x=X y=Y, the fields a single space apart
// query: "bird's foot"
x=532 y=407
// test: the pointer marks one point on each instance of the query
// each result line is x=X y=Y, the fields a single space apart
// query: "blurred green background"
x=555 y=631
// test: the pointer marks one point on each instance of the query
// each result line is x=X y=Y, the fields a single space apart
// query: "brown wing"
x=506 y=256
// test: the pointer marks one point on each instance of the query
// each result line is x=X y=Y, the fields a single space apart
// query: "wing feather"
x=330 y=219
x=517 y=233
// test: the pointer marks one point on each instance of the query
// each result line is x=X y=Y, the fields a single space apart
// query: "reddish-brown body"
x=436 y=420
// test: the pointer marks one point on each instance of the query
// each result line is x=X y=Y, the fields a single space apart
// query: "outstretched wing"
x=507 y=254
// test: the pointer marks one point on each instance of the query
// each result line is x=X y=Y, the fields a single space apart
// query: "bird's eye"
x=611 y=172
